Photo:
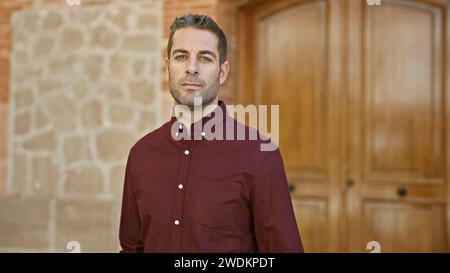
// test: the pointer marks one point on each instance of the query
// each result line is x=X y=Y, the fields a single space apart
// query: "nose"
x=191 y=67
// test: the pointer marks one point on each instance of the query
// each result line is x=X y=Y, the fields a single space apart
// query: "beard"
x=186 y=97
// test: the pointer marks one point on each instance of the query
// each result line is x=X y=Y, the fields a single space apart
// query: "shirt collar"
x=173 y=124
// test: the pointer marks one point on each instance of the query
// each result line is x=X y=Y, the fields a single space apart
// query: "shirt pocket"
x=217 y=202
x=228 y=182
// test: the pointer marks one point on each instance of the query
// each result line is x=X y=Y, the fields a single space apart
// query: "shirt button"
x=203 y=134
x=177 y=222
x=186 y=152
x=180 y=186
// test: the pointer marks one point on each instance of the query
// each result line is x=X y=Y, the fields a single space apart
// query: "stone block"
x=24 y=224
x=84 y=180
x=114 y=144
x=90 y=222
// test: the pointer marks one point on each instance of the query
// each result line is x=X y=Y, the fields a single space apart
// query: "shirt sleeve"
x=273 y=215
x=130 y=226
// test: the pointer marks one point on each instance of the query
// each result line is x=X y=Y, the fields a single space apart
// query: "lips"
x=190 y=85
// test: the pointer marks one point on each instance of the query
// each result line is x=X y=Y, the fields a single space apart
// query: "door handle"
x=291 y=187
x=350 y=182
x=402 y=191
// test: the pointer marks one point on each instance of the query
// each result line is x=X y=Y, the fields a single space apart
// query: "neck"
x=192 y=115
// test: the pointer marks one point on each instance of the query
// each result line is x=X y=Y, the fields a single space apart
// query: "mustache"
x=192 y=79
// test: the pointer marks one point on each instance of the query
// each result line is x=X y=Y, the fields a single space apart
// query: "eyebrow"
x=209 y=52
x=179 y=51
x=201 y=52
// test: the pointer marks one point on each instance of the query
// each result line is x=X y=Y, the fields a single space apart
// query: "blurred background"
x=363 y=89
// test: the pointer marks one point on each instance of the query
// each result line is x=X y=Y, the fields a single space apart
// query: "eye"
x=180 y=58
x=205 y=59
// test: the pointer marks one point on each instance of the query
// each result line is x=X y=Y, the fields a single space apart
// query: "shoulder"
x=152 y=139
x=249 y=137
x=251 y=143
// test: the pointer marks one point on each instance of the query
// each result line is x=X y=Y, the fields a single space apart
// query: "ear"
x=166 y=66
x=224 y=68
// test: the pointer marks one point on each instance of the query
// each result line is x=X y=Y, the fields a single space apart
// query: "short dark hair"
x=199 y=22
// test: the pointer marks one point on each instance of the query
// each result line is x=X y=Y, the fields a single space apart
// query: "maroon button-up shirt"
x=206 y=195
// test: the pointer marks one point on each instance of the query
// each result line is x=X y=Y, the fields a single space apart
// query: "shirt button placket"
x=179 y=201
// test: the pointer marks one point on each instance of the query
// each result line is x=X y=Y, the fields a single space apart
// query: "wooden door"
x=364 y=116
x=291 y=58
x=397 y=122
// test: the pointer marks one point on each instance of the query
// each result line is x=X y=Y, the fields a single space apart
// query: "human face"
x=193 y=67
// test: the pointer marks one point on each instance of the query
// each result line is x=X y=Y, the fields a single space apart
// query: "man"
x=197 y=194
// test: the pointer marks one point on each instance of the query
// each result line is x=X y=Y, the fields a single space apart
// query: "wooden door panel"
x=400 y=227
x=396 y=126
x=403 y=126
x=312 y=220
x=301 y=98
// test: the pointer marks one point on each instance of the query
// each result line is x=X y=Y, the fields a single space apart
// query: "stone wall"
x=84 y=86
x=69 y=100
